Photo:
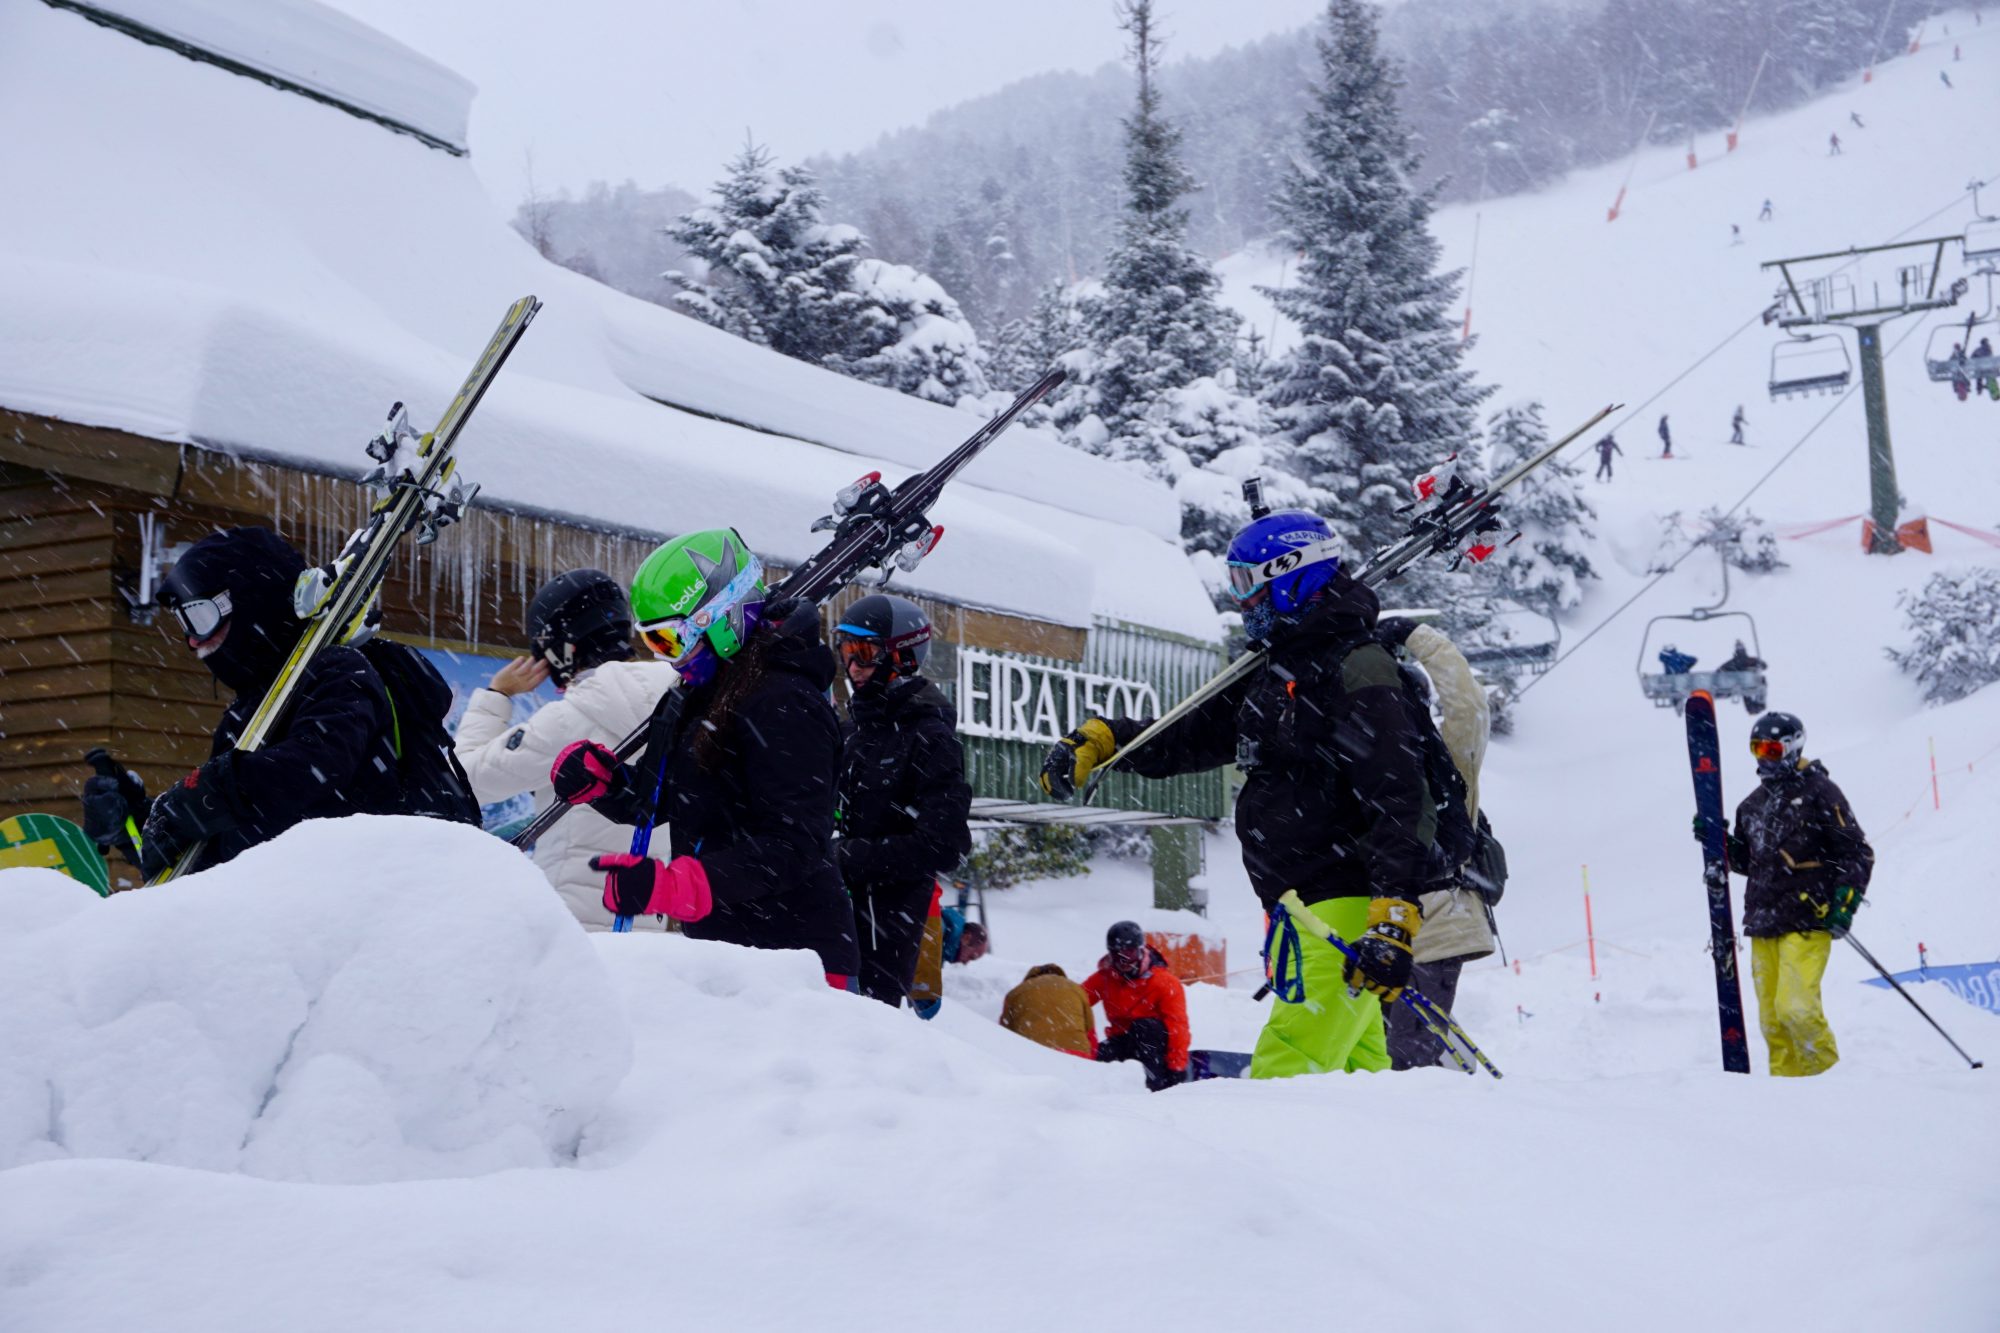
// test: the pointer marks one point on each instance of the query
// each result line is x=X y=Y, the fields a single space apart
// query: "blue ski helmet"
x=1291 y=552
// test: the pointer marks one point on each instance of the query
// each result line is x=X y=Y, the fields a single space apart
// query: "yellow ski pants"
x=1787 y=971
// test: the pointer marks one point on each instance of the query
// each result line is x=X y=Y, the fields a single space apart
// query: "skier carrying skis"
x=1145 y=1007
x=1736 y=425
x=1457 y=926
x=903 y=794
x=580 y=634
x=743 y=773
x=1606 y=447
x=1807 y=862
x=331 y=753
x=1335 y=803
x=1666 y=438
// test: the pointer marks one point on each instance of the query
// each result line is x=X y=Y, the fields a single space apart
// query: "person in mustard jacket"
x=1049 y=1008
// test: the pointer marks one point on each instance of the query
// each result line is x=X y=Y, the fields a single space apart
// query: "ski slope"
x=782 y=1157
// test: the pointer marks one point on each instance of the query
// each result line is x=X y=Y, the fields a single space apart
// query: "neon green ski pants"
x=1328 y=1030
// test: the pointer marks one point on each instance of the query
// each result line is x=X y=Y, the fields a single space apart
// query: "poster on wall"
x=466 y=672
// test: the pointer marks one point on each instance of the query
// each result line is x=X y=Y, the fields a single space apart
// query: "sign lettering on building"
x=1013 y=700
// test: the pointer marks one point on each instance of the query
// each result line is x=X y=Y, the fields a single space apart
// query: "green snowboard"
x=54 y=842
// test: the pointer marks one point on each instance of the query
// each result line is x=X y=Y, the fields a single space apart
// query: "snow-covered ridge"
x=214 y=261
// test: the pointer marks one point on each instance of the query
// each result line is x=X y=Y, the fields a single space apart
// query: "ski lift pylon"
x=1810 y=363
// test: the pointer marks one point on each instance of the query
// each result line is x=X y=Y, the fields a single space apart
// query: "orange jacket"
x=1050 y=1008
x=1158 y=994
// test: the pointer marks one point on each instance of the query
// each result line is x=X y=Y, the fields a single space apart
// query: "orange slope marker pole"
x=1589 y=930
x=1619 y=202
x=1736 y=130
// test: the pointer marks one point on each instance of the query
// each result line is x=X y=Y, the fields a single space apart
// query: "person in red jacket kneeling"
x=1145 y=1007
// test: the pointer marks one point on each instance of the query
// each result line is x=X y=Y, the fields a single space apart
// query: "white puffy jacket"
x=1455 y=922
x=602 y=704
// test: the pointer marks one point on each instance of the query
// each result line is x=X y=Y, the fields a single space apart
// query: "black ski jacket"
x=1335 y=803
x=903 y=795
x=759 y=818
x=1796 y=835
x=330 y=755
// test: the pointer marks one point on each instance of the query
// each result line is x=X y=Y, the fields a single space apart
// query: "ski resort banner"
x=1978 y=984
x=1016 y=699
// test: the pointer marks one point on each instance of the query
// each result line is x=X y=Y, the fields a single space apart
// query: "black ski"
x=872 y=526
x=1705 y=761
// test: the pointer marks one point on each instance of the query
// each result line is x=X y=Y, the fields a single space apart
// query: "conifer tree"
x=1375 y=393
x=1545 y=568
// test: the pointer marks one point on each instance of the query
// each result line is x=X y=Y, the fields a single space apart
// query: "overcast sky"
x=662 y=92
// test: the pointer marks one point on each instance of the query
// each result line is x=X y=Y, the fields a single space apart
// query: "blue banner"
x=466 y=672
x=1978 y=984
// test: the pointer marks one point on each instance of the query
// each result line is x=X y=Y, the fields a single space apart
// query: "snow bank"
x=364 y=999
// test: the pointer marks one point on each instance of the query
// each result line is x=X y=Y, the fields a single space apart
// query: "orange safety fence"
x=1193 y=957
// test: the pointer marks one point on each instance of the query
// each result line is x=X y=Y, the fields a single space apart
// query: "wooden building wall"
x=77 y=671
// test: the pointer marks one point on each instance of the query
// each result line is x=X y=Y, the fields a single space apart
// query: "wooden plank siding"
x=76 y=669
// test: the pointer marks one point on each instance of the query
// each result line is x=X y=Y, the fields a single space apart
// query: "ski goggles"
x=1767 y=749
x=1246 y=578
x=202 y=616
x=670 y=639
x=868 y=652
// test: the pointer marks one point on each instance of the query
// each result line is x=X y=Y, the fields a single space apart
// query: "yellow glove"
x=1072 y=759
x=1382 y=959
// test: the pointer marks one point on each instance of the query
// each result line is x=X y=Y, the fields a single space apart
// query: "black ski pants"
x=890 y=920
x=1411 y=1045
x=1145 y=1040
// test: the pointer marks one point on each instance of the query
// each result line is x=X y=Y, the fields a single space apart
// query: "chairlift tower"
x=1837 y=298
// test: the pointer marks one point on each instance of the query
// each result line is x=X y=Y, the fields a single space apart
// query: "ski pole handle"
x=100 y=759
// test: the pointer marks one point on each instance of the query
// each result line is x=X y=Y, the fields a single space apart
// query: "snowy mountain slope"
x=220 y=262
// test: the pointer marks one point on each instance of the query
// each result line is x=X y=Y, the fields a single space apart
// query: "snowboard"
x=53 y=842
x=1217 y=1064
x=1705 y=762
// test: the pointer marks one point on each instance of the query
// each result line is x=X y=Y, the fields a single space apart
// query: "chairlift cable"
x=1755 y=486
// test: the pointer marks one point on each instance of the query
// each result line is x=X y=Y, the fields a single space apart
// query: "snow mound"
x=360 y=1000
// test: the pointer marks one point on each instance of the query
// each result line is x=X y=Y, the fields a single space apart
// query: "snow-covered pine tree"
x=922 y=344
x=1029 y=346
x=1544 y=570
x=1954 y=626
x=776 y=274
x=1156 y=325
x=1375 y=393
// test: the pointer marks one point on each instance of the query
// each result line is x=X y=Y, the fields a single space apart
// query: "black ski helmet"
x=896 y=625
x=1126 y=944
x=1778 y=740
x=244 y=577
x=579 y=620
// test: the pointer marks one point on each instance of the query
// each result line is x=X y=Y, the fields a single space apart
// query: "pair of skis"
x=1444 y=522
x=873 y=527
x=413 y=472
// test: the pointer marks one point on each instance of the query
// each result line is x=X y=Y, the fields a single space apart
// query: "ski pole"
x=1976 y=1064
x=1439 y=1023
x=100 y=759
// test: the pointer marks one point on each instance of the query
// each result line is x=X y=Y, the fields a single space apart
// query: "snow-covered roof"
x=203 y=258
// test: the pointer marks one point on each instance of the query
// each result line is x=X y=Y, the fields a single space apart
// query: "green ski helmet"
x=705 y=585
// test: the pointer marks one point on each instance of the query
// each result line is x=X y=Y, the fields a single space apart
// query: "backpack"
x=434 y=782
x=1486 y=873
x=1455 y=839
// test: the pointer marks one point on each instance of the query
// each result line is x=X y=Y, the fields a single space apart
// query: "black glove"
x=1168 y=1078
x=1382 y=957
x=1391 y=631
x=108 y=801
x=193 y=810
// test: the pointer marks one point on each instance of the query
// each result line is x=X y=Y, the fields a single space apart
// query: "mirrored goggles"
x=204 y=615
x=867 y=652
x=1767 y=749
x=672 y=639
x=1245 y=580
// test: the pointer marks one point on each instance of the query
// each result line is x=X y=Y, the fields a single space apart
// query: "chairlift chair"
x=1671 y=689
x=1948 y=353
x=1810 y=363
x=1981 y=242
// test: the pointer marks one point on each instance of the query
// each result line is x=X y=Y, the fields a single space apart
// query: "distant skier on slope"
x=579 y=631
x=1666 y=438
x=1808 y=865
x=1736 y=425
x=1833 y=145
x=331 y=753
x=1855 y=116
x=1336 y=801
x=903 y=794
x=745 y=776
x=1764 y=214
x=1606 y=447
x=1944 y=78
x=1145 y=1007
